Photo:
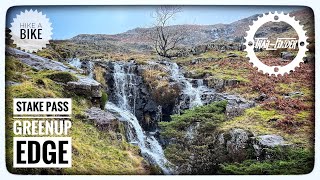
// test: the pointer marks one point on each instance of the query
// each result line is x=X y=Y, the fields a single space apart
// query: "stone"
x=271 y=141
x=11 y=83
x=103 y=120
x=262 y=144
x=238 y=140
x=233 y=145
x=220 y=84
x=236 y=105
x=38 y=62
x=85 y=86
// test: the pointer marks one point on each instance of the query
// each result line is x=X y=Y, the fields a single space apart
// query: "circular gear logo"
x=263 y=43
x=31 y=31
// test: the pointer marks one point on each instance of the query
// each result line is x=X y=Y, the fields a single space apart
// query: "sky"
x=69 y=21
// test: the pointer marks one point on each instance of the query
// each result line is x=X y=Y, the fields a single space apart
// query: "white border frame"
x=314 y=4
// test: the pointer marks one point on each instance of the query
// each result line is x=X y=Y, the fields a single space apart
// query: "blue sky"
x=69 y=21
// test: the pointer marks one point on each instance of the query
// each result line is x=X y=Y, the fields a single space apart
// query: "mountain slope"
x=136 y=39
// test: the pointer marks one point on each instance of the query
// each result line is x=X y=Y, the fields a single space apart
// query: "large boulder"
x=236 y=105
x=265 y=143
x=234 y=145
x=103 y=120
x=85 y=86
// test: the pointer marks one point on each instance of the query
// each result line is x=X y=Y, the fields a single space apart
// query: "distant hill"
x=136 y=39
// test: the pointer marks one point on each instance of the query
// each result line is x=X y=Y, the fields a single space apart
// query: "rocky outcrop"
x=264 y=143
x=217 y=46
x=83 y=86
x=141 y=102
x=37 y=62
x=239 y=145
x=103 y=120
x=220 y=84
x=234 y=145
x=236 y=105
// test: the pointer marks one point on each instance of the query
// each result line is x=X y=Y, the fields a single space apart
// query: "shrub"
x=292 y=161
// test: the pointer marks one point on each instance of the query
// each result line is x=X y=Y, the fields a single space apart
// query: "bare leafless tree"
x=165 y=38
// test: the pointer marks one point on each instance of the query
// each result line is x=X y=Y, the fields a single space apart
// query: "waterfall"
x=75 y=62
x=125 y=92
x=90 y=69
x=193 y=94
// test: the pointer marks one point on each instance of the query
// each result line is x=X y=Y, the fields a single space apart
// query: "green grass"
x=93 y=151
x=181 y=147
x=256 y=120
x=104 y=99
x=261 y=121
x=58 y=76
x=292 y=161
x=208 y=116
x=213 y=68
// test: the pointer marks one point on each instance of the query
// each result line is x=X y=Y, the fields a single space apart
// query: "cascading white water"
x=125 y=89
x=90 y=69
x=193 y=93
x=75 y=62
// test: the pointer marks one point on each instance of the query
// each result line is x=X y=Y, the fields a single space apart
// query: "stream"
x=123 y=107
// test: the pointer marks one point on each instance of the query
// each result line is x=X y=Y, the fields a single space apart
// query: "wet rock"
x=16 y=53
x=103 y=120
x=140 y=101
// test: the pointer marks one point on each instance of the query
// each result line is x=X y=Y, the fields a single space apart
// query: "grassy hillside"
x=288 y=107
x=93 y=151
